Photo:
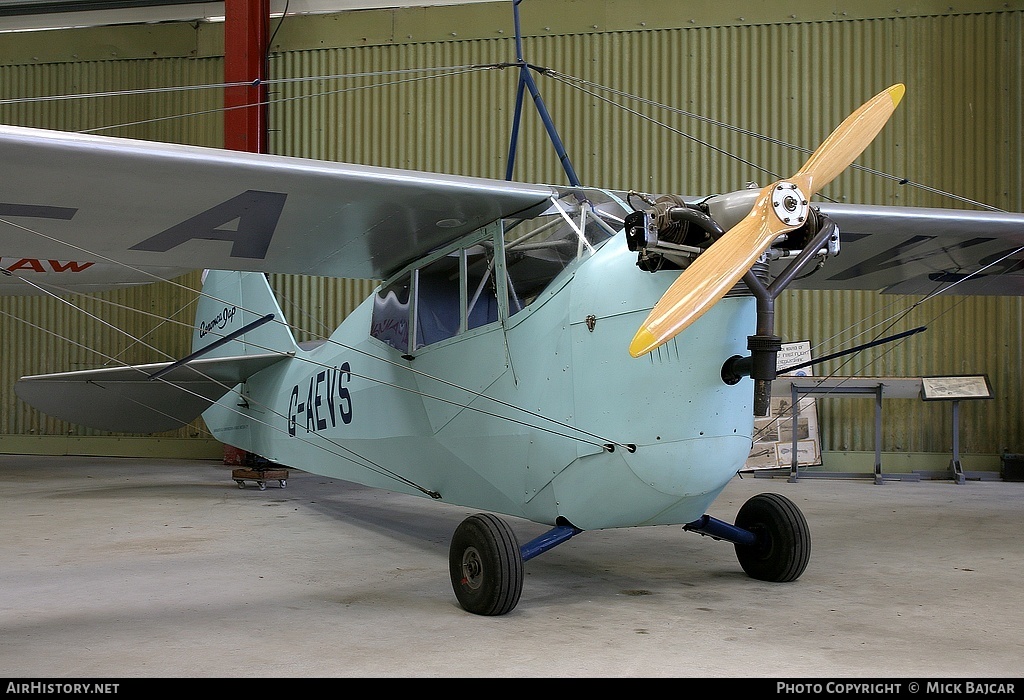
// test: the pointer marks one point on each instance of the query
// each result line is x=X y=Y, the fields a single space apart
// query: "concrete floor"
x=128 y=568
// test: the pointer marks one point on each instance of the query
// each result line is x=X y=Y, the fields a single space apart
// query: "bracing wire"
x=601 y=442
x=603 y=94
x=593 y=89
x=587 y=87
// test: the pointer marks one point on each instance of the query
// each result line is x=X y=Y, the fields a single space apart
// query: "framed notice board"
x=956 y=388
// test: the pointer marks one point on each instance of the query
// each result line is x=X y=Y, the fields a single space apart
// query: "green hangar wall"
x=422 y=88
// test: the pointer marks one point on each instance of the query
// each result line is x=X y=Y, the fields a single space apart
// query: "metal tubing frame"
x=549 y=540
x=526 y=81
x=721 y=530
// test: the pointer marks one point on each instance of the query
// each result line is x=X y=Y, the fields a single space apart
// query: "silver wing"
x=35 y=276
x=144 y=204
x=909 y=250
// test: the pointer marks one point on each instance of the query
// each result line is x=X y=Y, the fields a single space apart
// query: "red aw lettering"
x=27 y=264
x=55 y=265
x=70 y=265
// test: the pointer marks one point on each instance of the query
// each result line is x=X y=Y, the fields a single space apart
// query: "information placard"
x=956 y=388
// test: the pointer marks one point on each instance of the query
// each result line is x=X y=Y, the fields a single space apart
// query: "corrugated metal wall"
x=145 y=324
x=958 y=130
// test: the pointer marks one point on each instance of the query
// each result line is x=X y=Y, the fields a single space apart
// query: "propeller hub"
x=790 y=204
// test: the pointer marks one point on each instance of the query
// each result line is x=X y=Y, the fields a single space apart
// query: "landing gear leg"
x=782 y=546
x=486 y=566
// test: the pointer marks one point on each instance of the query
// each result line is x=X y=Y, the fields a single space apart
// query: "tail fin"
x=122 y=399
x=231 y=301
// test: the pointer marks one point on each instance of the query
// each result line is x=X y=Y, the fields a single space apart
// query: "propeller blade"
x=779 y=208
x=845 y=144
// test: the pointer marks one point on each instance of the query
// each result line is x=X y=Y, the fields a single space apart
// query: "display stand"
x=956 y=389
x=838 y=387
x=950 y=388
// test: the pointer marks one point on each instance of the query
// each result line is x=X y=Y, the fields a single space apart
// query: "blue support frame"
x=549 y=540
x=721 y=530
x=526 y=81
x=705 y=525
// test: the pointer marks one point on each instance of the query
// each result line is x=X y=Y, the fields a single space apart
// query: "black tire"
x=783 y=545
x=485 y=565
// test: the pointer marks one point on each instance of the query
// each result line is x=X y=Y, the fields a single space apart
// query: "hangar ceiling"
x=48 y=14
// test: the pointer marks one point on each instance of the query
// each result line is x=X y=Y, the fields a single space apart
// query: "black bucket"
x=1012 y=467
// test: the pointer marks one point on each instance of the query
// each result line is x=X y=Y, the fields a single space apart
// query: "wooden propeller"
x=779 y=208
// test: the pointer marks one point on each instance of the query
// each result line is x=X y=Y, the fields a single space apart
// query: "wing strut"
x=526 y=81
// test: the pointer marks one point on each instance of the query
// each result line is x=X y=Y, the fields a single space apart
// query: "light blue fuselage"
x=575 y=383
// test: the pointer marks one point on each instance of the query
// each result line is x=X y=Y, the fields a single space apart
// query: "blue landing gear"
x=486 y=562
x=485 y=565
x=772 y=540
x=783 y=545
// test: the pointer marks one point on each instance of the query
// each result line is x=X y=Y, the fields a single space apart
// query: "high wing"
x=133 y=205
x=38 y=276
x=143 y=204
x=909 y=250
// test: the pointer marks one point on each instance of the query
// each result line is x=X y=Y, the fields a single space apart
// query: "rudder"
x=229 y=302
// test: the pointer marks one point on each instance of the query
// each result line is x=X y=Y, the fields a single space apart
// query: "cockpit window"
x=459 y=291
x=454 y=293
x=538 y=249
x=390 y=322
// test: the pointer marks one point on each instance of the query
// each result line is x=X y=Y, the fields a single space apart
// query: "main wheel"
x=783 y=545
x=485 y=565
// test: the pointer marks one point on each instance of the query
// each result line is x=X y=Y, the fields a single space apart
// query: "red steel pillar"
x=246 y=25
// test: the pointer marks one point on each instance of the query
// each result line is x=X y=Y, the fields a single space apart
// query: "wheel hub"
x=472 y=568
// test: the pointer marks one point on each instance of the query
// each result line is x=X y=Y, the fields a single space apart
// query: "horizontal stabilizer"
x=126 y=400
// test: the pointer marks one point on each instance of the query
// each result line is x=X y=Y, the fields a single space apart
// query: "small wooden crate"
x=260 y=476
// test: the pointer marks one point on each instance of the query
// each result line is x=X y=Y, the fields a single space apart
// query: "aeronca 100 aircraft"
x=489 y=368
